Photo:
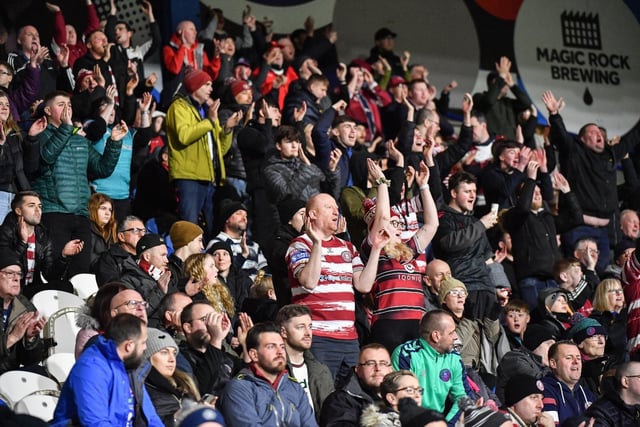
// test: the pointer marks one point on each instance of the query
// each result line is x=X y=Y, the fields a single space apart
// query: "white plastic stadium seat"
x=15 y=385
x=49 y=301
x=39 y=404
x=85 y=285
x=58 y=365
x=62 y=328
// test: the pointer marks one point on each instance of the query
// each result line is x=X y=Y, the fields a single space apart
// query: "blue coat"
x=97 y=390
x=251 y=401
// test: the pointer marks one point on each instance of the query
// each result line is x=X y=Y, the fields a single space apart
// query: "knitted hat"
x=484 y=416
x=148 y=241
x=288 y=207
x=535 y=335
x=520 y=386
x=195 y=79
x=239 y=86
x=183 y=232
x=200 y=414
x=548 y=296
x=82 y=74
x=584 y=328
x=396 y=81
x=448 y=284
x=412 y=415
x=228 y=208
x=220 y=245
x=157 y=340
x=8 y=257
x=369 y=206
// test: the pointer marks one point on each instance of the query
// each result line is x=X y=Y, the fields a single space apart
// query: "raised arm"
x=429 y=211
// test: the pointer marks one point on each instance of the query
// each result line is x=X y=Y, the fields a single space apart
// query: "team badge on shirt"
x=445 y=375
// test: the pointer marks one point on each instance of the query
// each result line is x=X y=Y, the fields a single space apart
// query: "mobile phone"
x=494 y=208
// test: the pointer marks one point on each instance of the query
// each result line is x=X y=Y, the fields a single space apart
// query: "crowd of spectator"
x=284 y=237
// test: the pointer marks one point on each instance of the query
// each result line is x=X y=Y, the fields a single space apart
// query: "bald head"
x=437 y=271
x=129 y=301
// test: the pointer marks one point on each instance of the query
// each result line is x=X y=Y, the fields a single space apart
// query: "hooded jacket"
x=97 y=390
x=250 y=400
x=189 y=154
x=563 y=403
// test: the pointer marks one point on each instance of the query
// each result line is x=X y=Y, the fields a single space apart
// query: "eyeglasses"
x=632 y=376
x=615 y=291
x=411 y=390
x=373 y=363
x=135 y=230
x=133 y=304
x=12 y=274
x=397 y=224
x=591 y=251
x=458 y=293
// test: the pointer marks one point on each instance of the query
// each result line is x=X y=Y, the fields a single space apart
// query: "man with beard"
x=246 y=253
x=344 y=406
x=205 y=330
x=99 y=390
x=313 y=376
x=263 y=393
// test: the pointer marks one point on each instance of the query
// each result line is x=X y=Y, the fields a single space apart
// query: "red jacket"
x=60 y=33
x=175 y=56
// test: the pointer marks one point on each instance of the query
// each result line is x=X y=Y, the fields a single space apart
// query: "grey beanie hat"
x=157 y=340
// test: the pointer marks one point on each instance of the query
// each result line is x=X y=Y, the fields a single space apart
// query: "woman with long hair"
x=609 y=309
x=15 y=162
x=167 y=386
x=202 y=268
x=103 y=224
x=397 y=292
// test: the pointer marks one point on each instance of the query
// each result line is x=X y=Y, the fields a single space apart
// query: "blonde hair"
x=216 y=293
x=399 y=251
x=600 y=300
x=261 y=285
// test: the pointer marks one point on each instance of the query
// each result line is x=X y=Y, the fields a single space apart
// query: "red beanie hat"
x=195 y=79
x=239 y=86
x=82 y=74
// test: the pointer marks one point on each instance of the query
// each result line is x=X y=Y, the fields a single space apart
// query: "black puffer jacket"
x=165 y=397
x=610 y=410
